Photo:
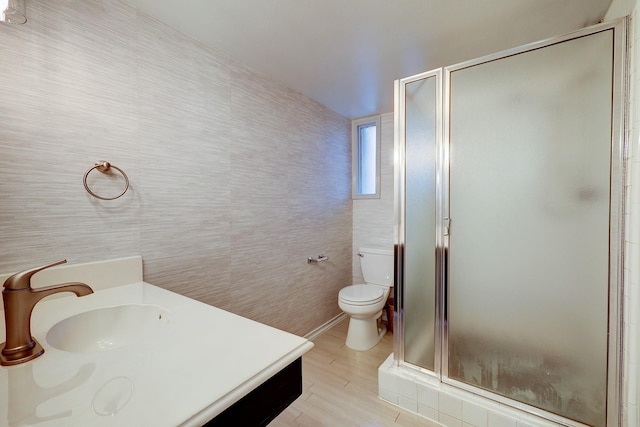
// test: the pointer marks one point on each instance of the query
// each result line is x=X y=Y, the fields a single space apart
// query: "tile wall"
x=235 y=179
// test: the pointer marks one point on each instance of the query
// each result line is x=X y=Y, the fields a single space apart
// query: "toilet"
x=364 y=302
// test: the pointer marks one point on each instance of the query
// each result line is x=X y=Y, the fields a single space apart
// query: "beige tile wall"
x=235 y=179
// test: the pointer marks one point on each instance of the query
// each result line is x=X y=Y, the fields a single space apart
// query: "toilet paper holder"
x=319 y=259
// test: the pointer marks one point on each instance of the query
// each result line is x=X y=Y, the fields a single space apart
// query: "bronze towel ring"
x=104 y=166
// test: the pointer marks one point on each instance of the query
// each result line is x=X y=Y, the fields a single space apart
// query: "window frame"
x=356 y=159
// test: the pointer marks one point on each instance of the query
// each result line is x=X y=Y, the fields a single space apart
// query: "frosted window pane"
x=420 y=220
x=529 y=202
x=368 y=160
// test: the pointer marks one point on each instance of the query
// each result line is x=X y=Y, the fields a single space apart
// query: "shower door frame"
x=618 y=147
x=400 y=215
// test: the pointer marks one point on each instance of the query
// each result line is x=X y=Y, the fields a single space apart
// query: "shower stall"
x=509 y=223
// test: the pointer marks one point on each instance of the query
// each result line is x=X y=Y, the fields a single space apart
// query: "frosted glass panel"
x=368 y=160
x=529 y=200
x=420 y=221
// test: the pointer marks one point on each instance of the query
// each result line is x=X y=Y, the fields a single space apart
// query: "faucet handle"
x=22 y=280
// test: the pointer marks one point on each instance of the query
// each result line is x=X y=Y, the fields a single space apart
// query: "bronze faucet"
x=19 y=299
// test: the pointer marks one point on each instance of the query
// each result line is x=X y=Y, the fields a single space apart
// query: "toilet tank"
x=377 y=266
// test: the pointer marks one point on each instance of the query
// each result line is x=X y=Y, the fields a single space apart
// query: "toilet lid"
x=361 y=294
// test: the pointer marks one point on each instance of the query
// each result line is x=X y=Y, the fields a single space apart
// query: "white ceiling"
x=346 y=54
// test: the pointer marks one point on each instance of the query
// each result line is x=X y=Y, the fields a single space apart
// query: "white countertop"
x=200 y=362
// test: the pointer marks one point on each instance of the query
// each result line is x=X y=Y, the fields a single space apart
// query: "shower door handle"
x=447 y=226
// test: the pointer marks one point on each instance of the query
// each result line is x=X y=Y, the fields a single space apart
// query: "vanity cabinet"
x=265 y=402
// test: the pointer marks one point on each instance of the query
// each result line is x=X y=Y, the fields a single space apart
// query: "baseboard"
x=325 y=327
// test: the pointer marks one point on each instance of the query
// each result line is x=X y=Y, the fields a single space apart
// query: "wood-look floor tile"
x=341 y=387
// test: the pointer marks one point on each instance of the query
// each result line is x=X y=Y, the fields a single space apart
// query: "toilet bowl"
x=364 y=302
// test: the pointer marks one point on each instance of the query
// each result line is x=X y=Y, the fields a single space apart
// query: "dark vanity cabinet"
x=265 y=402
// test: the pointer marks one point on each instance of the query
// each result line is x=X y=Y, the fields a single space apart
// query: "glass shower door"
x=420 y=150
x=529 y=200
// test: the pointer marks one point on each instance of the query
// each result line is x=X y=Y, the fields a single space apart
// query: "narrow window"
x=366 y=158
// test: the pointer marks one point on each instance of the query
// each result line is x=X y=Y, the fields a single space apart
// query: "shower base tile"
x=474 y=414
x=448 y=405
x=449 y=421
x=497 y=420
x=427 y=412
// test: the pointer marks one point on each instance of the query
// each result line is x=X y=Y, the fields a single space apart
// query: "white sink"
x=108 y=328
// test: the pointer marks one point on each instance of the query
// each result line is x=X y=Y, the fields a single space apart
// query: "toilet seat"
x=361 y=294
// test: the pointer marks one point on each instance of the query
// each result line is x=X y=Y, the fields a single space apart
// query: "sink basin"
x=107 y=328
